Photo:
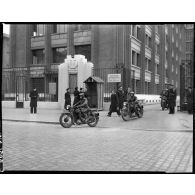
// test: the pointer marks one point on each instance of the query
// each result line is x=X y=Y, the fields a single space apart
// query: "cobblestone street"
x=108 y=147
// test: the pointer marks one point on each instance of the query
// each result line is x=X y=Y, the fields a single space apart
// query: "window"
x=172 y=68
x=189 y=46
x=189 y=35
x=177 y=43
x=189 y=26
x=176 y=57
x=157 y=28
x=78 y=27
x=60 y=28
x=135 y=58
x=157 y=69
x=84 y=50
x=135 y=31
x=177 y=29
x=157 y=48
x=166 y=57
x=188 y=56
x=166 y=73
x=147 y=64
x=59 y=54
x=166 y=28
x=38 y=29
x=147 y=86
x=38 y=56
x=138 y=59
x=176 y=70
x=167 y=40
x=173 y=39
x=148 y=41
x=172 y=53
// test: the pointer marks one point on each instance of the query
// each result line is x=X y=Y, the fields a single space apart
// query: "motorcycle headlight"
x=68 y=107
x=124 y=103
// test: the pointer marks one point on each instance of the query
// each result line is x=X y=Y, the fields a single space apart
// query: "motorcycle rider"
x=164 y=94
x=132 y=99
x=82 y=105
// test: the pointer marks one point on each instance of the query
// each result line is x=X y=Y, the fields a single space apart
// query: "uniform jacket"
x=67 y=99
x=114 y=103
x=121 y=98
x=33 y=98
x=76 y=97
x=172 y=97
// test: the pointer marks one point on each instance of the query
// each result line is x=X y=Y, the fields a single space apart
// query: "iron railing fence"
x=186 y=80
x=40 y=76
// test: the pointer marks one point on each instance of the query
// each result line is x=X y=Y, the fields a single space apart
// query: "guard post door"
x=72 y=82
x=20 y=91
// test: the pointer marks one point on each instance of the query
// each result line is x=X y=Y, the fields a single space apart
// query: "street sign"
x=114 y=78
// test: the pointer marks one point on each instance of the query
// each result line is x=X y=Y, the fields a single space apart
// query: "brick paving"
x=32 y=146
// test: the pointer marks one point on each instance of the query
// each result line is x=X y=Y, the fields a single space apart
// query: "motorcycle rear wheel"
x=93 y=120
x=65 y=120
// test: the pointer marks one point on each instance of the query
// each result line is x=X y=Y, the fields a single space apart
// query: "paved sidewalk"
x=43 y=115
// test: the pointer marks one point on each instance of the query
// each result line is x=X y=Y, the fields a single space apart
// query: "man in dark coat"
x=172 y=99
x=190 y=100
x=33 y=101
x=121 y=97
x=114 y=106
x=67 y=98
x=76 y=96
x=127 y=93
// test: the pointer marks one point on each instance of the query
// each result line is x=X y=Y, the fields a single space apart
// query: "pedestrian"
x=127 y=94
x=67 y=98
x=172 y=94
x=189 y=100
x=33 y=100
x=114 y=106
x=121 y=97
x=76 y=96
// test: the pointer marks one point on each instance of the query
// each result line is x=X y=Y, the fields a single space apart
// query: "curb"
x=43 y=122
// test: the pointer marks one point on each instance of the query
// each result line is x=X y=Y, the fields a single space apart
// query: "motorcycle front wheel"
x=125 y=115
x=93 y=120
x=140 y=112
x=65 y=120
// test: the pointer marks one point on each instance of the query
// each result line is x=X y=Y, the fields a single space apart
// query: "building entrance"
x=72 y=82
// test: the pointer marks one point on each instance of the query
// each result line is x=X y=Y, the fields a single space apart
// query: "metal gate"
x=186 y=80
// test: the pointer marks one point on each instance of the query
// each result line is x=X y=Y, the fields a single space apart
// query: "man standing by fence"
x=33 y=101
x=121 y=97
x=172 y=99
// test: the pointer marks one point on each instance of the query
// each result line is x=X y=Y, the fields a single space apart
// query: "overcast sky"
x=6 y=28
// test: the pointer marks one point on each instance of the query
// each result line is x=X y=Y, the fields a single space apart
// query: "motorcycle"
x=75 y=116
x=132 y=110
x=164 y=103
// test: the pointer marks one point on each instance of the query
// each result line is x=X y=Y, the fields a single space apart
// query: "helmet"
x=132 y=92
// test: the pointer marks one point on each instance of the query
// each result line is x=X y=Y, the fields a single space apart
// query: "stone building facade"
x=154 y=52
